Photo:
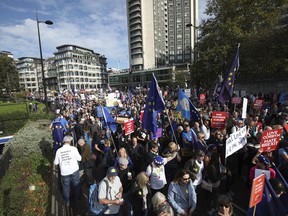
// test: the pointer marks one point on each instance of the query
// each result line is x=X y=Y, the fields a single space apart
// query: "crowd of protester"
x=167 y=175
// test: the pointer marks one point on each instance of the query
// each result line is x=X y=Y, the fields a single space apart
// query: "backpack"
x=58 y=132
x=95 y=208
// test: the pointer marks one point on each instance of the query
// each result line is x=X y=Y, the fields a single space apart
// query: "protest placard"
x=129 y=126
x=258 y=103
x=202 y=98
x=257 y=190
x=236 y=100
x=218 y=119
x=270 y=140
x=236 y=141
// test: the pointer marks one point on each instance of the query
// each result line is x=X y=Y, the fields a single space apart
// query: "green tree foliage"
x=255 y=25
x=9 y=77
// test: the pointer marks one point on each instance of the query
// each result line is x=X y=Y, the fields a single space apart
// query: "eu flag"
x=228 y=83
x=109 y=121
x=186 y=107
x=154 y=104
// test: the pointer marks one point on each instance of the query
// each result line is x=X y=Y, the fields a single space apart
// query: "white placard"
x=259 y=172
x=244 y=108
x=236 y=141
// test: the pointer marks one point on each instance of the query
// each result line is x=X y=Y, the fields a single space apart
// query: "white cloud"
x=98 y=25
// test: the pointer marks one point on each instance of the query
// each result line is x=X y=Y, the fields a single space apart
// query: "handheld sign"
x=202 y=98
x=236 y=100
x=257 y=190
x=235 y=141
x=218 y=119
x=129 y=126
x=258 y=104
x=270 y=140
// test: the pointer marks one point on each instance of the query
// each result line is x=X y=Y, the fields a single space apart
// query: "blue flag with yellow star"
x=186 y=107
x=228 y=83
x=154 y=105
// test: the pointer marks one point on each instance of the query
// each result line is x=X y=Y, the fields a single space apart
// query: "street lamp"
x=47 y=22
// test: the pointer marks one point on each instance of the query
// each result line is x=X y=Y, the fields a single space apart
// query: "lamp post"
x=47 y=22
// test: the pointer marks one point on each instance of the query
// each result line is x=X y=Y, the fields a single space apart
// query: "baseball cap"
x=112 y=172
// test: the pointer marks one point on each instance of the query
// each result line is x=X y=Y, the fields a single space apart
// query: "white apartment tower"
x=158 y=35
x=80 y=68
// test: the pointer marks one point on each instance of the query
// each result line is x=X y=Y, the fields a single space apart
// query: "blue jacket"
x=177 y=199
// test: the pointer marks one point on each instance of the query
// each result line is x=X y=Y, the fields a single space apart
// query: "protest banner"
x=258 y=104
x=257 y=190
x=129 y=126
x=236 y=100
x=270 y=140
x=236 y=141
x=218 y=119
x=202 y=98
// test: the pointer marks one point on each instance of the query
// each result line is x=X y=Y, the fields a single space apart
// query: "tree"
x=9 y=77
x=254 y=24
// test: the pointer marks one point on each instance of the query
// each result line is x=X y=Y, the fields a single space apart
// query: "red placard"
x=257 y=190
x=218 y=119
x=258 y=103
x=202 y=98
x=129 y=126
x=236 y=100
x=141 y=115
x=270 y=140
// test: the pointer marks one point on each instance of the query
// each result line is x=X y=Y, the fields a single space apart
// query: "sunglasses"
x=186 y=179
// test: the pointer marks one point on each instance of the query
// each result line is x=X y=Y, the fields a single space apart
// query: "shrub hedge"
x=31 y=165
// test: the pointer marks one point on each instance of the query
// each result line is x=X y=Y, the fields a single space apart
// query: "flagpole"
x=172 y=128
x=254 y=210
x=110 y=130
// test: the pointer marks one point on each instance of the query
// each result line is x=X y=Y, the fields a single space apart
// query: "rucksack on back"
x=58 y=132
x=95 y=208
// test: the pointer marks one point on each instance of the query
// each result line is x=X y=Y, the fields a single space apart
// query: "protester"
x=262 y=163
x=224 y=206
x=136 y=153
x=67 y=157
x=181 y=194
x=156 y=173
x=112 y=198
x=140 y=195
x=160 y=205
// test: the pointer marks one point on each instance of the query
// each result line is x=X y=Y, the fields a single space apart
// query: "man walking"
x=67 y=158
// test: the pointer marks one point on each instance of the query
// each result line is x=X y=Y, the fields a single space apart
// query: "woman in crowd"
x=214 y=175
x=181 y=194
x=262 y=163
x=172 y=166
x=224 y=206
x=140 y=195
x=160 y=205
x=122 y=153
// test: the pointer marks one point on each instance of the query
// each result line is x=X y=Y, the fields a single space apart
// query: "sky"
x=100 y=25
